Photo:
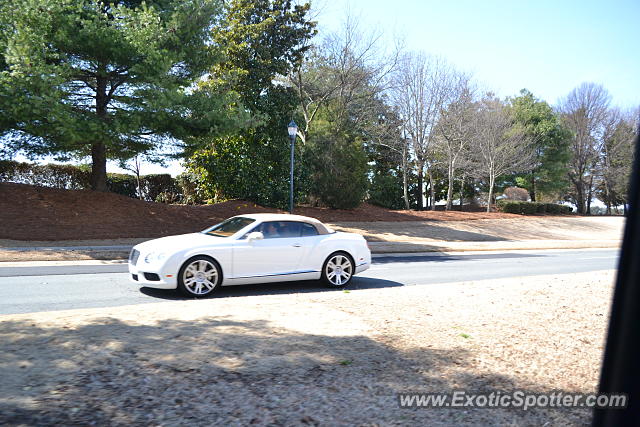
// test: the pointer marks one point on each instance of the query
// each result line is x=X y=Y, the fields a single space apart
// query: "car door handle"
x=296 y=245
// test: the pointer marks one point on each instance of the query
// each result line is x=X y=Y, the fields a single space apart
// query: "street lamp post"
x=293 y=130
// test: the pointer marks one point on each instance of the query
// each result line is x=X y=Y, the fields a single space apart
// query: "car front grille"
x=133 y=256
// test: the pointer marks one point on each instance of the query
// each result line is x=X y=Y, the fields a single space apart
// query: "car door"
x=309 y=239
x=279 y=253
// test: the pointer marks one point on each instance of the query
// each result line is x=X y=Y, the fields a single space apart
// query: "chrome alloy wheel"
x=338 y=270
x=200 y=277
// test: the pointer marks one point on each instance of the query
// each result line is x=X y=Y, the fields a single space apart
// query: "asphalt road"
x=27 y=289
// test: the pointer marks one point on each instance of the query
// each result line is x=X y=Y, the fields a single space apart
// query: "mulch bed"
x=41 y=213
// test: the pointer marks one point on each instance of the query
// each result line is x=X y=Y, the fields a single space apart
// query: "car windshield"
x=228 y=227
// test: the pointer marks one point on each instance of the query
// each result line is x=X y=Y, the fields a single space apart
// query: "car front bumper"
x=152 y=278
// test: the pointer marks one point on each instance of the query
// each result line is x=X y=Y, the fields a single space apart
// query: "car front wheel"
x=199 y=276
x=338 y=270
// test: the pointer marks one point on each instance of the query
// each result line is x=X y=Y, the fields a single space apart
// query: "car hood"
x=179 y=242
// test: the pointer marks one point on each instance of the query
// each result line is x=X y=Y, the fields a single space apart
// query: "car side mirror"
x=256 y=235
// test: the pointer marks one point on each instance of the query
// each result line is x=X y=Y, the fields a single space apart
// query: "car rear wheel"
x=199 y=276
x=338 y=270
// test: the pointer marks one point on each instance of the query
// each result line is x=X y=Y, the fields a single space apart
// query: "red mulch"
x=41 y=213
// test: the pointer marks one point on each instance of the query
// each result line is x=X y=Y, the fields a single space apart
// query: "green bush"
x=156 y=184
x=167 y=197
x=189 y=188
x=338 y=172
x=386 y=191
x=70 y=177
x=123 y=184
x=553 y=208
x=51 y=175
x=530 y=208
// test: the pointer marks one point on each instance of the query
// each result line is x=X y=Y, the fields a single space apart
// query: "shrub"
x=189 y=187
x=70 y=177
x=51 y=175
x=508 y=206
x=553 y=208
x=529 y=208
x=565 y=209
x=386 y=191
x=123 y=184
x=516 y=193
x=338 y=172
x=167 y=197
x=156 y=184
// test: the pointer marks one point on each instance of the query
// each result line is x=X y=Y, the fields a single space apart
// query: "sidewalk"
x=114 y=252
x=526 y=233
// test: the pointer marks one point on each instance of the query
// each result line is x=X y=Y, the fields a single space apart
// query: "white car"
x=245 y=249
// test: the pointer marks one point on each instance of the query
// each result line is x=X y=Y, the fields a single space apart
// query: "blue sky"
x=549 y=47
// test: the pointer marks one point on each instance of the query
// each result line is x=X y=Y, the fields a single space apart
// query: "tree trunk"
x=450 y=189
x=98 y=167
x=532 y=193
x=589 y=195
x=461 y=192
x=607 y=195
x=491 y=183
x=432 y=192
x=579 y=198
x=419 y=190
x=139 y=188
x=405 y=185
x=98 y=149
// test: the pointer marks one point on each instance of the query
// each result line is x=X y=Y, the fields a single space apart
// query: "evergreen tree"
x=106 y=78
x=551 y=143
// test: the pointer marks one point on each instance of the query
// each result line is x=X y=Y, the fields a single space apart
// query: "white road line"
x=61 y=263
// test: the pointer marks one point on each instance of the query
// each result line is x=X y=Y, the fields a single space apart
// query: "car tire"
x=199 y=277
x=338 y=270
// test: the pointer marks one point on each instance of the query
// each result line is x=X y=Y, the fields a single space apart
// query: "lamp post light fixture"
x=293 y=131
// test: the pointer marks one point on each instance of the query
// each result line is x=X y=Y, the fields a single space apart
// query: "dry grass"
x=329 y=358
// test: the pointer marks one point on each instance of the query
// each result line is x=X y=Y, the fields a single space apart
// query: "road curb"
x=114 y=252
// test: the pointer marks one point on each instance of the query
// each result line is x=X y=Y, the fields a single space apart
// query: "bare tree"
x=499 y=146
x=349 y=67
x=616 y=157
x=455 y=130
x=134 y=165
x=585 y=113
x=423 y=86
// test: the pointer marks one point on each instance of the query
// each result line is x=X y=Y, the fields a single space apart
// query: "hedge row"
x=153 y=187
x=530 y=208
x=57 y=176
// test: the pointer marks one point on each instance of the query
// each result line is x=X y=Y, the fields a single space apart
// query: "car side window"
x=289 y=229
x=284 y=229
x=278 y=229
x=308 y=230
x=270 y=230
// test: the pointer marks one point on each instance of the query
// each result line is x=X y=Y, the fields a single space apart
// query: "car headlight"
x=154 y=256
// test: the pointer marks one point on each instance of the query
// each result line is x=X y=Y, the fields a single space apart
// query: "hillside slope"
x=40 y=213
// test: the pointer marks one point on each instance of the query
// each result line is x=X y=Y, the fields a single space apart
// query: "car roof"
x=323 y=229
x=279 y=217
